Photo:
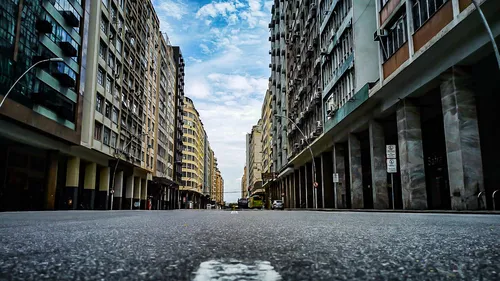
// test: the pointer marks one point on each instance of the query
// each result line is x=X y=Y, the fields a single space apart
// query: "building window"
x=107 y=110
x=107 y=133
x=108 y=85
x=114 y=136
x=98 y=131
x=119 y=46
x=100 y=77
x=104 y=24
x=114 y=115
x=396 y=38
x=102 y=50
x=425 y=9
x=105 y=3
x=99 y=103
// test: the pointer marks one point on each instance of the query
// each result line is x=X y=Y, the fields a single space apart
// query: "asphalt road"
x=250 y=245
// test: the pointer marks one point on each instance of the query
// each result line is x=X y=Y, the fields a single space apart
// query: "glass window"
x=108 y=85
x=114 y=115
x=107 y=133
x=102 y=50
x=113 y=139
x=107 y=111
x=98 y=131
x=99 y=103
x=104 y=24
x=100 y=77
x=105 y=3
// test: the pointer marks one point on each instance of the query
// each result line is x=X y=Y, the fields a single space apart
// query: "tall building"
x=255 y=162
x=179 y=113
x=213 y=195
x=278 y=84
x=207 y=184
x=193 y=163
x=244 y=187
x=101 y=127
x=266 y=141
x=380 y=77
x=219 y=188
x=41 y=118
x=120 y=115
x=163 y=182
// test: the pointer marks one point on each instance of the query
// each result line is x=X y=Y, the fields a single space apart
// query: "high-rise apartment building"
x=278 y=84
x=244 y=187
x=41 y=118
x=255 y=161
x=179 y=113
x=369 y=79
x=193 y=163
x=100 y=113
x=219 y=181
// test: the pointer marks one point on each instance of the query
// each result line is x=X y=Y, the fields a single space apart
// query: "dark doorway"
x=434 y=145
x=487 y=91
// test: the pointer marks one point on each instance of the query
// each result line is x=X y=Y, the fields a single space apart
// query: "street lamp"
x=310 y=150
x=488 y=30
x=31 y=67
x=116 y=166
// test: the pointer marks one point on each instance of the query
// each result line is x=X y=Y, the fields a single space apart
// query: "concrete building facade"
x=104 y=125
x=244 y=187
x=255 y=162
x=397 y=73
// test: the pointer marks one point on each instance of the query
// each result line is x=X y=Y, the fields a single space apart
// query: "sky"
x=226 y=49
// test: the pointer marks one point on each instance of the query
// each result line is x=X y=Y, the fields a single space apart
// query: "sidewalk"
x=480 y=212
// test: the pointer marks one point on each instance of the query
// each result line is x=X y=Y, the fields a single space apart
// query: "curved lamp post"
x=22 y=75
x=310 y=150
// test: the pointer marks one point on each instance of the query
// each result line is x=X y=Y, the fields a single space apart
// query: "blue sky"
x=226 y=50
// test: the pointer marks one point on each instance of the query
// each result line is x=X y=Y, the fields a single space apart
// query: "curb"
x=483 y=212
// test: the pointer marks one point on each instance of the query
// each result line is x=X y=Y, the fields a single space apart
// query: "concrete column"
x=51 y=184
x=307 y=179
x=117 y=200
x=89 y=186
x=327 y=180
x=411 y=156
x=72 y=180
x=129 y=193
x=378 y=166
x=104 y=179
x=137 y=193
x=301 y=188
x=144 y=194
x=297 y=188
x=463 y=149
x=355 y=172
x=339 y=168
x=319 y=192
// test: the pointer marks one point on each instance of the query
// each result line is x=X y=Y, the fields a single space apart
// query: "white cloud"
x=205 y=49
x=173 y=8
x=215 y=9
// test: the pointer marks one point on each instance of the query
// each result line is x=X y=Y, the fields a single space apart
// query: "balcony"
x=68 y=49
x=71 y=19
x=65 y=80
x=43 y=26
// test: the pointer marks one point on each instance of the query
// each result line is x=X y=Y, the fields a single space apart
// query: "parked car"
x=278 y=204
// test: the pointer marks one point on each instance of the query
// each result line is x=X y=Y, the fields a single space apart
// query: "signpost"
x=392 y=166
x=336 y=177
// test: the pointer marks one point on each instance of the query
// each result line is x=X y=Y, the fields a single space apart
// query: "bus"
x=256 y=202
x=243 y=203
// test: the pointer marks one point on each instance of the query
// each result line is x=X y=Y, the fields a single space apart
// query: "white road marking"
x=218 y=270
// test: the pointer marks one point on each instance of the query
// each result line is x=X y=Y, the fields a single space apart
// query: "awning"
x=165 y=181
x=286 y=172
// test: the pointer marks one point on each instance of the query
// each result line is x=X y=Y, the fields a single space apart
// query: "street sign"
x=315 y=184
x=392 y=166
x=336 y=177
x=137 y=204
x=390 y=151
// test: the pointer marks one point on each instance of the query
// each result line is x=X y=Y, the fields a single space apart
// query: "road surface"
x=249 y=245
